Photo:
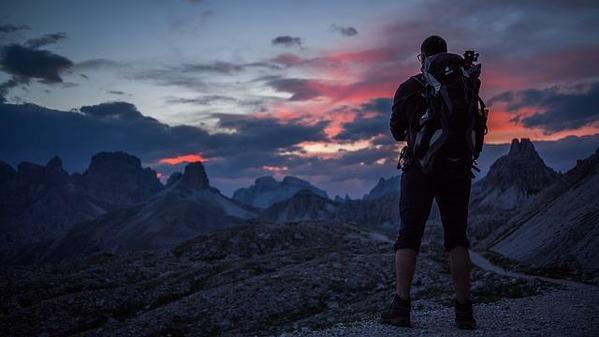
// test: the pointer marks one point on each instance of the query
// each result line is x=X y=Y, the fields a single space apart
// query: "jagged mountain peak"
x=195 y=176
x=267 y=191
x=522 y=147
x=558 y=227
x=108 y=160
x=294 y=181
x=266 y=180
x=7 y=172
x=514 y=178
x=338 y=198
x=117 y=178
x=55 y=163
x=522 y=166
x=173 y=178
x=303 y=205
x=384 y=187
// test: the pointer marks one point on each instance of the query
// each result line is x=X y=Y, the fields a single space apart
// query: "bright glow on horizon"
x=187 y=158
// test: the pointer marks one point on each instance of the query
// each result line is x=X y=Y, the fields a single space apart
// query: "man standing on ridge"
x=441 y=117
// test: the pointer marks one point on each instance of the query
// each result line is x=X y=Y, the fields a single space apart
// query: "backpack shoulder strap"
x=418 y=78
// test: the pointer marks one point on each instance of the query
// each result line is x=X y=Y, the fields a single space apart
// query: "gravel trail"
x=481 y=262
x=572 y=311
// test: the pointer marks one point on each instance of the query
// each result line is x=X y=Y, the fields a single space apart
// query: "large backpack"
x=456 y=118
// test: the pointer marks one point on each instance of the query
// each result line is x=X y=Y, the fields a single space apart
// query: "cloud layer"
x=287 y=41
x=554 y=109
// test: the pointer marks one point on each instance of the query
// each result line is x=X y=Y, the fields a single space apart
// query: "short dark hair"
x=432 y=45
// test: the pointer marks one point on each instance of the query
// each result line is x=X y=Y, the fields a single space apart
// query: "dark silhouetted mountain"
x=381 y=214
x=303 y=205
x=38 y=203
x=513 y=178
x=512 y=181
x=266 y=191
x=173 y=178
x=195 y=176
x=344 y=199
x=383 y=187
x=116 y=179
x=560 y=226
x=188 y=207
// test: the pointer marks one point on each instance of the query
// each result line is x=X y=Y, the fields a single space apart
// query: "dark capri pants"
x=449 y=184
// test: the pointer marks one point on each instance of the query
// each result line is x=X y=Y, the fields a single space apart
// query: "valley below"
x=254 y=279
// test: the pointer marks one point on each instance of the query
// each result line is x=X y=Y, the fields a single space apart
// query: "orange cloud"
x=186 y=158
x=343 y=79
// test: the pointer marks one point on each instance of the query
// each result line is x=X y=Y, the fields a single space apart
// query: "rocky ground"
x=253 y=280
x=572 y=312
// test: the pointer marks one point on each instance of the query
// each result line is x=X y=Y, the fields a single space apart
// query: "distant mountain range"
x=383 y=187
x=117 y=206
x=185 y=209
x=39 y=203
x=266 y=191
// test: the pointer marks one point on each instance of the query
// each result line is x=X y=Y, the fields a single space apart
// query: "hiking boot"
x=463 y=315
x=398 y=313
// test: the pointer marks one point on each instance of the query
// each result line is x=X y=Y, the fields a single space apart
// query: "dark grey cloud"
x=97 y=64
x=120 y=111
x=300 y=89
x=560 y=108
x=221 y=67
x=287 y=41
x=196 y=75
x=10 y=28
x=118 y=93
x=254 y=133
x=372 y=120
x=171 y=76
x=345 y=31
x=5 y=88
x=29 y=132
x=34 y=133
x=25 y=63
x=216 y=67
x=45 y=40
x=202 y=100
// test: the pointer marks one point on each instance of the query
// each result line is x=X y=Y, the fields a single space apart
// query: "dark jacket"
x=408 y=106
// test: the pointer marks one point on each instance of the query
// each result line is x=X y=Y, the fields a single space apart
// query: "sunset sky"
x=276 y=87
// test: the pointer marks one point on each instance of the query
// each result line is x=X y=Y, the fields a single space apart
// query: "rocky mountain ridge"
x=185 y=209
x=42 y=203
x=266 y=191
x=513 y=178
x=512 y=181
x=559 y=228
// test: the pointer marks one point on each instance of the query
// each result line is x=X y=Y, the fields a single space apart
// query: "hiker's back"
x=450 y=128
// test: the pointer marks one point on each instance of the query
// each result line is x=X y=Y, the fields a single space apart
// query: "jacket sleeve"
x=398 y=123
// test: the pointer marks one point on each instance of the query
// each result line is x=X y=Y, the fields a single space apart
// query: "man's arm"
x=404 y=97
x=398 y=124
